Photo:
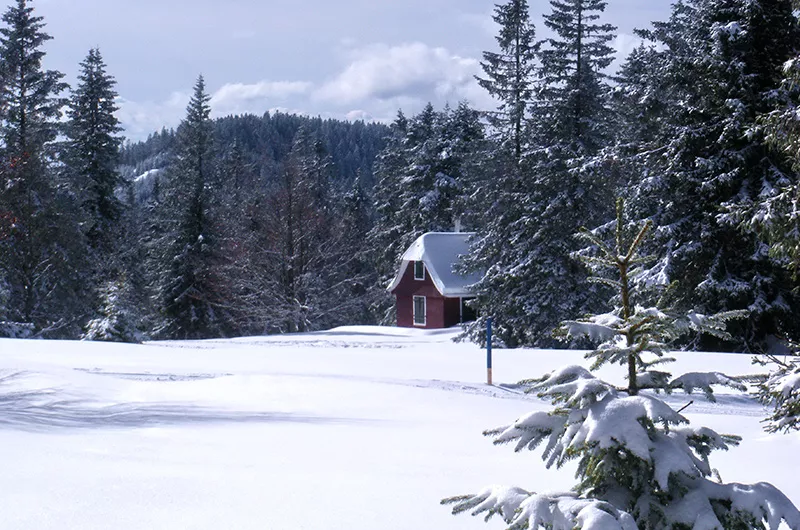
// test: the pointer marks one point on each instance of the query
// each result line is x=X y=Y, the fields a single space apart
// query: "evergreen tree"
x=40 y=258
x=424 y=177
x=780 y=390
x=640 y=464
x=530 y=282
x=93 y=152
x=117 y=318
x=718 y=65
x=424 y=180
x=91 y=156
x=573 y=109
x=775 y=218
x=191 y=296
x=510 y=75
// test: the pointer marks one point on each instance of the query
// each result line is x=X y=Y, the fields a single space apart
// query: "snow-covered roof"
x=440 y=252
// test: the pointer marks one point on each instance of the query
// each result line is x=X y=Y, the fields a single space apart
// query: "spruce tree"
x=640 y=463
x=510 y=75
x=191 y=296
x=780 y=389
x=91 y=156
x=530 y=283
x=92 y=153
x=41 y=256
x=719 y=66
x=573 y=109
x=775 y=218
x=423 y=180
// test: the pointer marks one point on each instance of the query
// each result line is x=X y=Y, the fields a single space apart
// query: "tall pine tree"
x=190 y=293
x=531 y=283
x=510 y=75
x=92 y=152
x=40 y=258
x=91 y=156
x=718 y=63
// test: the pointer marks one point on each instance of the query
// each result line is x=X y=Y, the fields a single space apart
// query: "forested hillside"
x=271 y=213
x=265 y=141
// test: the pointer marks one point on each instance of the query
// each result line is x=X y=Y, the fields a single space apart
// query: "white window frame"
x=424 y=310
x=422 y=264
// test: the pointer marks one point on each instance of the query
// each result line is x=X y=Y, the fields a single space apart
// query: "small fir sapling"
x=116 y=321
x=780 y=390
x=640 y=463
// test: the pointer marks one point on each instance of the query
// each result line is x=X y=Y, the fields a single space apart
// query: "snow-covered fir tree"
x=509 y=76
x=92 y=152
x=117 y=319
x=640 y=464
x=42 y=255
x=91 y=156
x=423 y=180
x=717 y=67
x=780 y=391
x=530 y=282
x=190 y=294
x=776 y=218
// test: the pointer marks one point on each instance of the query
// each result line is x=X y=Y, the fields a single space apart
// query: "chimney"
x=458 y=225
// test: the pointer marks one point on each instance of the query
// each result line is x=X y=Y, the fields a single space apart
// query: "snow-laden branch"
x=615 y=435
x=691 y=381
x=521 y=509
x=782 y=392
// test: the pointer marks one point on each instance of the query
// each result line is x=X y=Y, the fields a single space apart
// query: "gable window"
x=419 y=270
x=419 y=311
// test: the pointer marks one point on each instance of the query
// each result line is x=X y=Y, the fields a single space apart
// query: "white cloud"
x=623 y=45
x=390 y=73
x=139 y=119
x=483 y=22
x=372 y=85
x=358 y=114
x=239 y=98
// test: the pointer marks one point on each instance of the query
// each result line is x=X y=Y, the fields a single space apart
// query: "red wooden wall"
x=441 y=312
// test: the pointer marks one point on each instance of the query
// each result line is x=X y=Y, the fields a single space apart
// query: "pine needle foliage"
x=510 y=75
x=634 y=333
x=781 y=392
x=640 y=465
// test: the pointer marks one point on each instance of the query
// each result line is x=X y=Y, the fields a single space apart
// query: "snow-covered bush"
x=640 y=463
x=116 y=321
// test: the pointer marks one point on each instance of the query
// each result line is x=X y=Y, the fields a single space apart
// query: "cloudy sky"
x=339 y=58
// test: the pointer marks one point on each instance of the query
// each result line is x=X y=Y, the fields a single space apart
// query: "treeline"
x=266 y=140
x=280 y=223
x=221 y=227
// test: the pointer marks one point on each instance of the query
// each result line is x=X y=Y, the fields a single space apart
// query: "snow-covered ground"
x=354 y=428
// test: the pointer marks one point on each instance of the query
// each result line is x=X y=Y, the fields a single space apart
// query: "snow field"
x=354 y=428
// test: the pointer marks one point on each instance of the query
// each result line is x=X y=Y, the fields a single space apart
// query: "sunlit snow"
x=354 y=428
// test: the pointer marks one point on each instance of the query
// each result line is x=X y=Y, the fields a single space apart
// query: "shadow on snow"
x=46 y=408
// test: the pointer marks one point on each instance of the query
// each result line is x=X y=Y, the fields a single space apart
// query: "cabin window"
x=419 y=310
x=419 y=270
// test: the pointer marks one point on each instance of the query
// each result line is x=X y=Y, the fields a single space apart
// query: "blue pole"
x=489 y=351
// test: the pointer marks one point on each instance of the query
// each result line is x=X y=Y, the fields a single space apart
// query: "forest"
x=248 y=224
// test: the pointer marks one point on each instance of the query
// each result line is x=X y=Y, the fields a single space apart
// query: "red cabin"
x=429 y=294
